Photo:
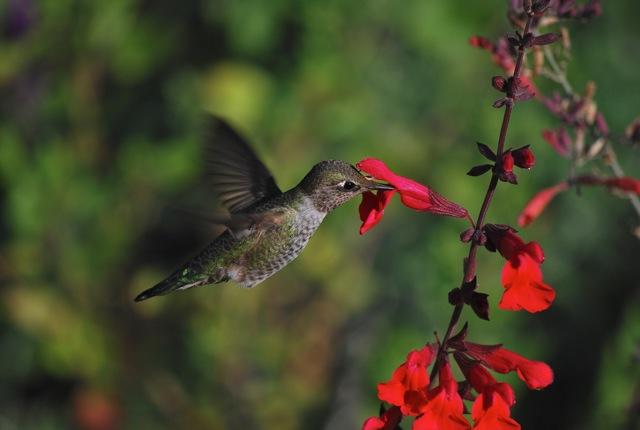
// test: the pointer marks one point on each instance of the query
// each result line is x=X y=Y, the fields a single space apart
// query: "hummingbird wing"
x=237 y=223
x=237 y=175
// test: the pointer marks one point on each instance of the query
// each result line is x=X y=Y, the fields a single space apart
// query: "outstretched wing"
x=236 y=174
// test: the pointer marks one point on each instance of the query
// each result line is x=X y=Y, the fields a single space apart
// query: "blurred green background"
x=101 y=107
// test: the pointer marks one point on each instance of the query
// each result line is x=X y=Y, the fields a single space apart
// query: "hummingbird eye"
x=347 y=186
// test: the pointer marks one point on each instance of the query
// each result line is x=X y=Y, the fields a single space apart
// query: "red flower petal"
x=535 y=374
x=412 y=193
x=524 y=289
x=506 y=241
x=627 y=184
x=392 y=392
x=539 y=202
x=444 y=410
x=482 y=381
x=372 y=208
x=507 y=161
x=388 y=421
x=491 y=412
x=521 y=275
x=559 y=140
x=409 y=382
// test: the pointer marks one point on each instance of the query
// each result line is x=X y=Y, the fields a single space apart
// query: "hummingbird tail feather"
x=177 y=281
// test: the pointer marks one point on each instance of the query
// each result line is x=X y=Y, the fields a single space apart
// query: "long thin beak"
x=379 y=186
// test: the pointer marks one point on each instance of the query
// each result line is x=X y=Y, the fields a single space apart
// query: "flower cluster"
x=522 y=157
x=424 y=386
x=409 y=390
x=584 y=135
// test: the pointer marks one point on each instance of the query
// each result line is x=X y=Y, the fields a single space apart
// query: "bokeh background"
x=101 y=108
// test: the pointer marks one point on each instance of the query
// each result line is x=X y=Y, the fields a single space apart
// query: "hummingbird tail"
x=177 y=281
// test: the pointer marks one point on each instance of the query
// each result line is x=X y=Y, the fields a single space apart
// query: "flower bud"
x=507 y=162
x=523 y=157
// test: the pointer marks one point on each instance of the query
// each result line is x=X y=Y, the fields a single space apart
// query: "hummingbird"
x=266 y=228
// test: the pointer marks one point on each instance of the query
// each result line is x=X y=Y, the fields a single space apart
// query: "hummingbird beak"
x=379 y=186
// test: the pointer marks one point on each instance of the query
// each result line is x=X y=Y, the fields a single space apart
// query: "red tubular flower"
x=627 y=184
x=409 y=383
x=535 y=374
x=482 y=381
x=444 y=410
x=412 y=194
x=521 y=276
x=389 y=420
x=539 y=202
x=491 y=409
x=491 y=412
x=559 y=140
x=524 y=157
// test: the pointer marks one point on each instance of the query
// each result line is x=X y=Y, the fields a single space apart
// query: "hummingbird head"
x=331 y=183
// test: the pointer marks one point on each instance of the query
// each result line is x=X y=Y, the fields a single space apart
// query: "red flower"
x=524 y=157
x=521 y=276
x=539 y=202
x=559 y=139
x=412 y=194
x=491 y=409
x=409 y=383
x=389 y=420
x=372 y=208
x=444 y=410
x=535 y=374
x=507 y=161
x=482 y=381
x=627 y=184
x=491 y=412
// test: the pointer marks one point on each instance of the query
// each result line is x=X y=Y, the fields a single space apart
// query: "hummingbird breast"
x=277 y=246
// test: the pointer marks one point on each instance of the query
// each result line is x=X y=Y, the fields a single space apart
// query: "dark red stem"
x=470 y=261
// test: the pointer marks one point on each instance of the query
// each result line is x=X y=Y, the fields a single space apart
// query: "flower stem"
x=559 y=75
x=470 y=261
